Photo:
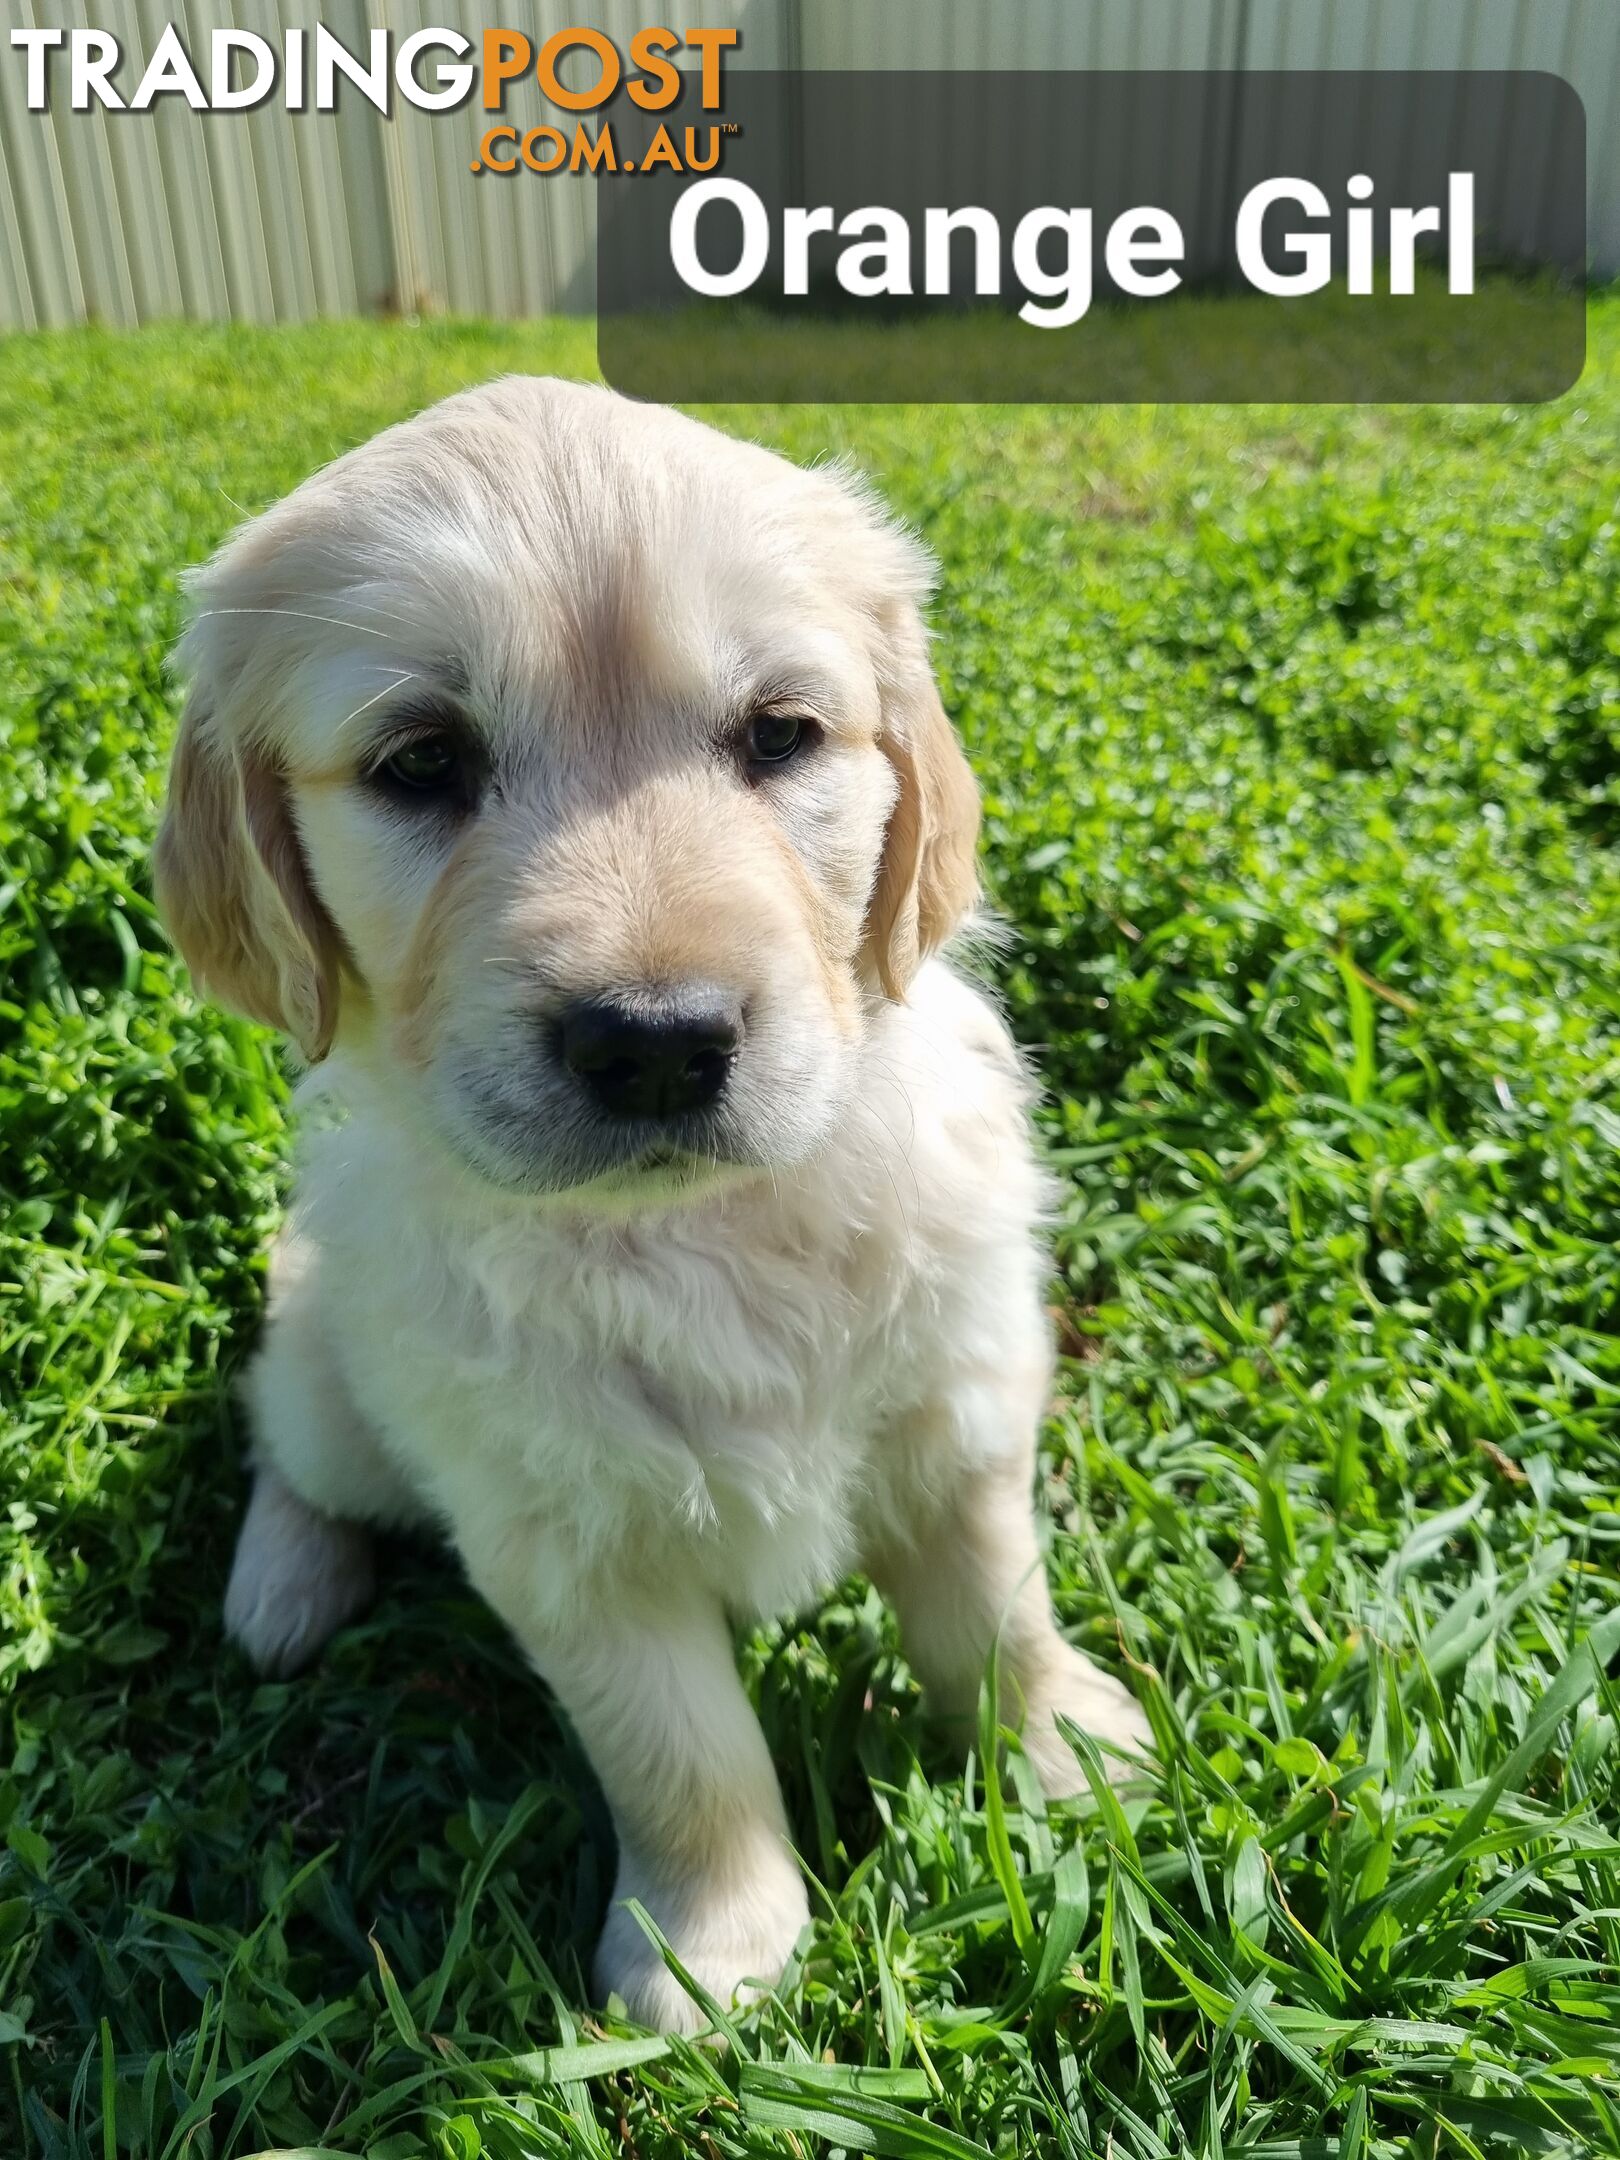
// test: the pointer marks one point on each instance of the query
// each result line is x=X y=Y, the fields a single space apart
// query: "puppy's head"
x=580 y=770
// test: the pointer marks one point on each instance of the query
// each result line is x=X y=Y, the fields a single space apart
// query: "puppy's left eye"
x=775 y=737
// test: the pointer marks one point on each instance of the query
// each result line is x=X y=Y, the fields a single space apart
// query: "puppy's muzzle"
x=652 y=1054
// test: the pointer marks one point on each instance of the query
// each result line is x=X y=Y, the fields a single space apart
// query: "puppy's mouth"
x=657 y=1175
x=667 y=1160
x=553 y=1149
x=664 y=1155
x=668 y=1171
x=663 y=1162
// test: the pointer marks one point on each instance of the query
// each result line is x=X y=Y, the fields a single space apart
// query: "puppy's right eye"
x=432 y=768
x=428 y=765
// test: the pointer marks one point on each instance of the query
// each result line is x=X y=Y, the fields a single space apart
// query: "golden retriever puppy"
x=569 y=781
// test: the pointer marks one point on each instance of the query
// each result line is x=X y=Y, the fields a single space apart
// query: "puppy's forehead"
x=608 y=550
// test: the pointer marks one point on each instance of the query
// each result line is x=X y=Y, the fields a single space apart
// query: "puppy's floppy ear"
x=927 y=879
x=233 y=888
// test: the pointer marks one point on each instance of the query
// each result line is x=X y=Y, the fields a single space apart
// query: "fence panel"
x=275 y=216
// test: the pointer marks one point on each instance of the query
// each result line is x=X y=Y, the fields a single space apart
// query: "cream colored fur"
x=645 y=1398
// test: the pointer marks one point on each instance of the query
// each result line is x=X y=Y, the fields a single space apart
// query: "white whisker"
x=401 y=675
x=335 y=622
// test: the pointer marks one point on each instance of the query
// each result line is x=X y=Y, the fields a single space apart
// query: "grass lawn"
x=1300 y=739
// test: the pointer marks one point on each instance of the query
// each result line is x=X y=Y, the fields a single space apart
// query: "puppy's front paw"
x=1095 y=1701
x=297 y=1577
x=733 y=1936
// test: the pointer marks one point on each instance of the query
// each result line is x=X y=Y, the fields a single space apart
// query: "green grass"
x=1300 y=737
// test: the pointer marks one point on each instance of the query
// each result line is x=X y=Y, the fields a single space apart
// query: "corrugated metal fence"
x=274 y=216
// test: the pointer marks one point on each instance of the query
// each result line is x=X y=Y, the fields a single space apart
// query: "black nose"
x=653 y=1053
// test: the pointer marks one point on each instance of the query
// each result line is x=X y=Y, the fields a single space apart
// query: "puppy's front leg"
x=650 y=1683
x=964 y=1572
